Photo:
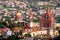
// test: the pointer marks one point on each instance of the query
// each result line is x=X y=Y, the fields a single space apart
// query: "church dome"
x=18 y=14
x=27 y=27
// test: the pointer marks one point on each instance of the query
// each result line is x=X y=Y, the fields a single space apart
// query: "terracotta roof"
x=0 y=30
x=5 y=29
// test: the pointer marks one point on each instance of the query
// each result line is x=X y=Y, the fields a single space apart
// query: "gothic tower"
x=47 y=19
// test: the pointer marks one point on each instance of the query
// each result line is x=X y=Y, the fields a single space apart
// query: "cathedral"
x=47 y=19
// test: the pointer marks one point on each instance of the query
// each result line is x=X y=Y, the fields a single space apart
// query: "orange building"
x=19 y=16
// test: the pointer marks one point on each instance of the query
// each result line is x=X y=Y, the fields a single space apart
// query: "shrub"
x=28 y=35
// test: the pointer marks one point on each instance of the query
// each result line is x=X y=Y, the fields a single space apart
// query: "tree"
x=36 y=20
x=2 y=24
x=28 y=35
x=8 y=19
x=57 y=18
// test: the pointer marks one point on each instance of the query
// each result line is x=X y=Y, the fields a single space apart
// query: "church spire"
x=48 y=9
